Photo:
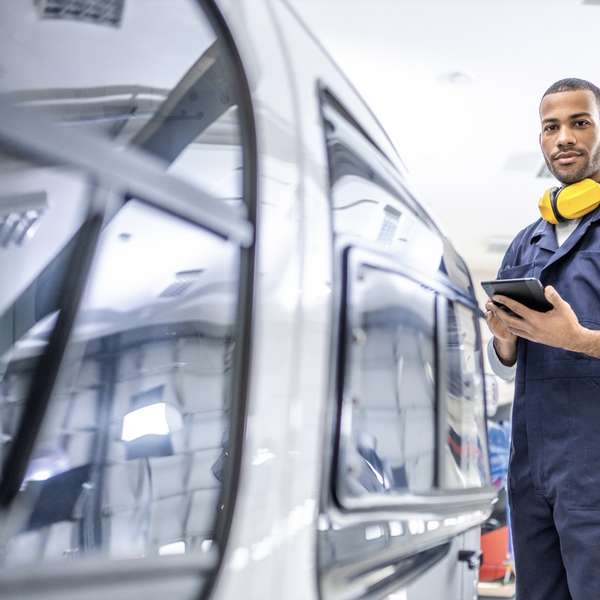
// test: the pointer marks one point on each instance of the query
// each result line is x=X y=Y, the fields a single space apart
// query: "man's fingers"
x=499 y=318
x=494 y=318
x=516 y=307
x=552 y=296
x=521 y=333
x=514 y=323
x=504 y=317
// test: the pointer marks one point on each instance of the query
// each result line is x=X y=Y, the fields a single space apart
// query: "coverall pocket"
x=584 y=444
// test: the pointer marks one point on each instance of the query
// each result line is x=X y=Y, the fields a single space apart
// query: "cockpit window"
x=132 y=457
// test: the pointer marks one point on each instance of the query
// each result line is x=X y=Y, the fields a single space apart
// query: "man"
x=554 y=475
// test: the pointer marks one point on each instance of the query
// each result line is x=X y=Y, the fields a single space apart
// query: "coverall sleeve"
x=503 y=371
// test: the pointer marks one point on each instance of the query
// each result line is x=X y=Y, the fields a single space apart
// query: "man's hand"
x=559 y=327
x=505 y=342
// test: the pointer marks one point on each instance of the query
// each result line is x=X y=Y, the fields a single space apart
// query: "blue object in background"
x=499 y=443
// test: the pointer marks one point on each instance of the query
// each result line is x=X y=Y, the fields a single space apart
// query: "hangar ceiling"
x=457 y=86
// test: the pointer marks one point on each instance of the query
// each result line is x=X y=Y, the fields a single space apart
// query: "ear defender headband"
x=570 y=202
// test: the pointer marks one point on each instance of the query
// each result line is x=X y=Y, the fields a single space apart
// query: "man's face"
x=570 y=137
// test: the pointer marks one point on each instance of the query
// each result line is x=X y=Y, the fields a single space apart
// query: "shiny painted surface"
x=274 y=538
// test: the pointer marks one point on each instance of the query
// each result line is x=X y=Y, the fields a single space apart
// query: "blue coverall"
x=554 y=473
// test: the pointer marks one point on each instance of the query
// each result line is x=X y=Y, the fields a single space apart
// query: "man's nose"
x=566 y=137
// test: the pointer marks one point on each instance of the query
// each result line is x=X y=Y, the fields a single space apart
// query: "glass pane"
x=133 y=451
x=368 y=203
x=155 y=75
x=368 y=211
x=388 y=416
x=41 y=210
x=466 y=452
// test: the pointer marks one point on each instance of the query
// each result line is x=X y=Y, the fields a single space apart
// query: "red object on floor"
x=494 y=546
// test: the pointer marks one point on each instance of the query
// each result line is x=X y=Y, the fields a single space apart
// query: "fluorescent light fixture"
x=159 y=418
x=416 y=526
x=172 y=549
x=373 y=532
x=262 y=456
x=455 y=78
x=433 y=525
x=396 y=528
x=46 y=464
x=40 y=475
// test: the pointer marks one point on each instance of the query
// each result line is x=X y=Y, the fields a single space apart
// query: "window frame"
x=353 y=258
x=132 y=172
x=475 y=312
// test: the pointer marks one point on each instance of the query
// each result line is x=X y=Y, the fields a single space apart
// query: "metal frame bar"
x=46 y=372
x=441 y=314
x=437 y=498
x=91 y=574
x=131 y=171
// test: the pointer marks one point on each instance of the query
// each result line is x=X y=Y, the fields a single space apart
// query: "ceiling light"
x=154 y=419
x=172 y=549
x=455 y=78
x=46 y=464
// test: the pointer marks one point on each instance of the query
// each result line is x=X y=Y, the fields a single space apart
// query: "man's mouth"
x=566 y=158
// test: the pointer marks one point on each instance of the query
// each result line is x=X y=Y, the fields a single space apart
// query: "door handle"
x=473 y=558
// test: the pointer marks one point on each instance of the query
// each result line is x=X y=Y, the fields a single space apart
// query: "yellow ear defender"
x=570 y=202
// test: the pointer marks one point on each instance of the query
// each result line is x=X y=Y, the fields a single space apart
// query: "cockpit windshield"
x=132 y=452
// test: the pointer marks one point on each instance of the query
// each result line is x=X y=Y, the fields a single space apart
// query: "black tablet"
x=528 y=291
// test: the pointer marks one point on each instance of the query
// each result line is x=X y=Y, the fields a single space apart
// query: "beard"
x=586 y=170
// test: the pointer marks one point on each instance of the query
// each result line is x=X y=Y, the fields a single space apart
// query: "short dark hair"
x=571 y=84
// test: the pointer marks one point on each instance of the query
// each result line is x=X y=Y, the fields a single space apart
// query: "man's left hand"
x=559 y=327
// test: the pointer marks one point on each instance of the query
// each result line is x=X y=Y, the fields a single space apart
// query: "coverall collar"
x=544 y=236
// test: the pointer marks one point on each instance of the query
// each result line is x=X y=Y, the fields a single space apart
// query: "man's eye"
x=548 y=128
x=582 y=123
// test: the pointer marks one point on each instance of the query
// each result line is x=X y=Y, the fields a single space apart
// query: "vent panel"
x=102 y=12
x=19 y=217
x=184 y=280
x=176 y=289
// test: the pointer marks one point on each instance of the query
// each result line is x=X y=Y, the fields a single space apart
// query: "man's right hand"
x=505 y=342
